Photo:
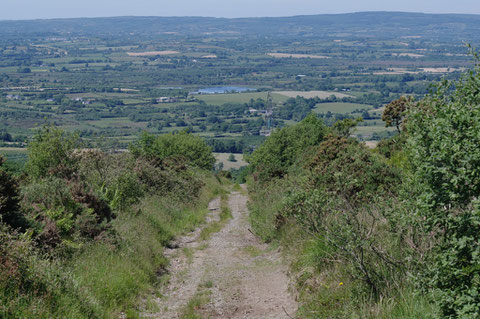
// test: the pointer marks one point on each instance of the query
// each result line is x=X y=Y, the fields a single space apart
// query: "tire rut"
x=244 y=277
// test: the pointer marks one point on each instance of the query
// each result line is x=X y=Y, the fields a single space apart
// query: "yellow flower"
x=340 y=284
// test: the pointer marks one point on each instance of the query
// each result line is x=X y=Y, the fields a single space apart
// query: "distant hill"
x=363 y=24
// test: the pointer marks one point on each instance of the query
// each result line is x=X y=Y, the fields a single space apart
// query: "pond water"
x=224 y=89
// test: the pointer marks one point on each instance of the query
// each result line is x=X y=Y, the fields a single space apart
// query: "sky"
x=44 y=9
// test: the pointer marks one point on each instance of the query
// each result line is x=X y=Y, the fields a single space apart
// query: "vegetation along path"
x=230 y=274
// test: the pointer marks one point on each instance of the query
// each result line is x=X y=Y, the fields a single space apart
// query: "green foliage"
x=336 y=210
x=123 y=191
x=129 y=257
x=52 y=152
x=341 y=199
x=395 y=112
x=240 y=175
x=345 y=127
x=455 y=274
x=64 y=211
x=443 y=138
x=170 y=146
x=274 y=157
x=443 y=142
x=9 y=209
x=32 y=286
x=350 y=171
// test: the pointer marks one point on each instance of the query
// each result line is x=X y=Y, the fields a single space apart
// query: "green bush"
x=444 y=154
x=336 y=210
x=174 y=146
x=53 y=152
x=343 y=199
x=274 y=157
x=9 y=210
x=65 y=211
x=348 y=170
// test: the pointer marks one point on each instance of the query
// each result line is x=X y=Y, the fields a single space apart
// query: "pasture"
x=340 y=107
x=227 y=165
x=14 y=154
x=311 y=94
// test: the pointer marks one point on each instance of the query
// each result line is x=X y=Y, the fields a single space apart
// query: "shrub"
x=274 y=157
x=64 y=210
x=9 y=209
x=159 y=149
x=443 y=139
x=342 y=199
x=53 y=152
x=349 y=170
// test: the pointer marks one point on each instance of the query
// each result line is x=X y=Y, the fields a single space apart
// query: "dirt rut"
x=241 y=276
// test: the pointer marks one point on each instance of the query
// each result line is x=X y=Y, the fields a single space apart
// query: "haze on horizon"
x=46 y=9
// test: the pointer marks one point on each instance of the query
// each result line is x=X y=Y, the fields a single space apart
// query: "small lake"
x=224 y=89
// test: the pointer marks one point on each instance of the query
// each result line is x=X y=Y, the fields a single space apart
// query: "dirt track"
x=241 y=277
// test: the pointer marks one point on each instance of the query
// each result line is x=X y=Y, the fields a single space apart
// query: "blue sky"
x=40 y=9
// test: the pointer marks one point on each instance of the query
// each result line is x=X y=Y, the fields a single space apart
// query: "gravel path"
x=241 y=276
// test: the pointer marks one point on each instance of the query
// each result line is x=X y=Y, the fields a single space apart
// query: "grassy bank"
x=106 y=278
x=323 y=283
x=336 y=209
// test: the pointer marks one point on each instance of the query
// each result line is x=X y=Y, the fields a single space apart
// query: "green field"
x=340 y=107
x=366 y=130
x=219 y=99
x=14 y=154
x=227 y=165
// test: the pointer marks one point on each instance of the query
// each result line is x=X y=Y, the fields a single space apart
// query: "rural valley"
x=311 y=166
